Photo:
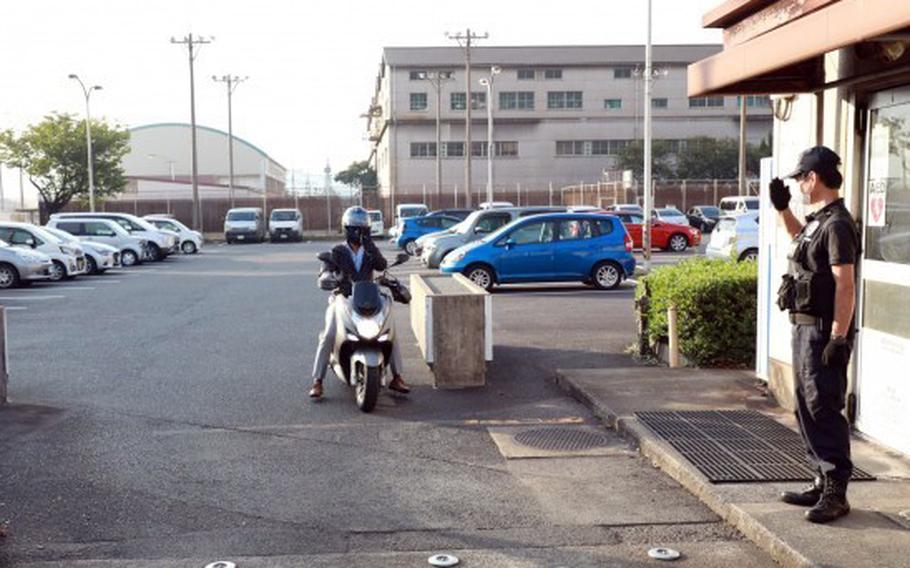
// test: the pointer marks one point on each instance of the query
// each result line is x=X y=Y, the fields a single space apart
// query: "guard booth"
x=838 y=72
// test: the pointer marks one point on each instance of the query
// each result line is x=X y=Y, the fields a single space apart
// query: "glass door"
x=883 y=349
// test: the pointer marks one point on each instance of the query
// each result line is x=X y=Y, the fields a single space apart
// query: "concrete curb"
x=677 y=467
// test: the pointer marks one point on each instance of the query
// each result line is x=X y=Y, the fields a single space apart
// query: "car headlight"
x=457 y=256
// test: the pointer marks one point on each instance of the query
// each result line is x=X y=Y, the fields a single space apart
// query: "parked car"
x=160 y=242
x=585 y=209
x=285 y=224
x=415 y=227
x=739 y=205
x=244 y=224
x=670 y=215
x=496 y=204
x=133 y=249
x=99 y=257
x=21 y=267
x=68 y=261
x=625 y=208
x=190 y=241
x=403 y=211
x=669 y=236
x=377 y=225
x=703 y=217
x=558 y=247
x=461 y=214
x=478 y=225
x=735 y=236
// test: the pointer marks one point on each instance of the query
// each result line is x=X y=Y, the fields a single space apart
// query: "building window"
x=659 y=103
x=417 y=75
x=570 y=148
x=526 y=74
x=522 y=100
x=622 y=73
x=423 y=149
x=706 y=102
x=479 y=149
x=453 y=149
x=505 y=149
x=552 y=74
x=607 y=147
x=478 y=101
x=564 y=99
x=418 y=101
x=613 y=104
x=755 y=101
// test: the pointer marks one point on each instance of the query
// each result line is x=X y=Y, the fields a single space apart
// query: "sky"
x=311 y=65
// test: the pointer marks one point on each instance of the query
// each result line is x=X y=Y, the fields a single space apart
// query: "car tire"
x=155 y=252
x=9 y=276
x=481 y=275
x=749 y=254
x=188 y=247
x=58 y=272
x=410 y=247
x=677 y=242
x=607 y=275
x=128 y=258
x=91 y=267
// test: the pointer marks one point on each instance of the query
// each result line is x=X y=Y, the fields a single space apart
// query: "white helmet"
x=355 y=217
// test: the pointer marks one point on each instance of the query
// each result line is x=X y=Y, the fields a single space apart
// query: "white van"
x=285 y=224
x=244 y=224
x=738 y=205
x=377 y=227
x=133 y=249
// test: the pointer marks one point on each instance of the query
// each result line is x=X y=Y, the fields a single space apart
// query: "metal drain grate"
x=561 y=439
x=731 y=446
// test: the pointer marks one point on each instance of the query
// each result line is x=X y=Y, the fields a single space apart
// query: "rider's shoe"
x=316 y=391
x=398 y=385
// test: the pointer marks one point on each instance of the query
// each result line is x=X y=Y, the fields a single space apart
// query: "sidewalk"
x=874 y=534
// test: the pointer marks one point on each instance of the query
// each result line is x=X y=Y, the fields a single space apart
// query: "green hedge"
x=716 y=302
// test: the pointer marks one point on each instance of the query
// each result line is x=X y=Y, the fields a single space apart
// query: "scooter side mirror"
x=325 y=256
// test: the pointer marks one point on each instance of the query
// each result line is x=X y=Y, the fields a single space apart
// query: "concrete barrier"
x=453 y=322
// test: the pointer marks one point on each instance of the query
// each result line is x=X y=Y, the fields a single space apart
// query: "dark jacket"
x=372 y=260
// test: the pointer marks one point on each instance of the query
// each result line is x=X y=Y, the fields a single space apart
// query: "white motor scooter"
x=363 y=330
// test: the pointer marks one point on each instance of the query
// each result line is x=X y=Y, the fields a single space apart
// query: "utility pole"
x=464 y=40
x=21 y=191
x=191 y=42
x=646 y=236
x=436 y=78
x=2 y=197
x=231 y=81
x=328 y=194
x=742 y=145
x=294 y=189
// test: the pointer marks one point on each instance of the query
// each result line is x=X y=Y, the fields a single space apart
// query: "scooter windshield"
x=366 y=298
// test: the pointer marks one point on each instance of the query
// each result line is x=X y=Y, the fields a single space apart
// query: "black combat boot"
x=833 y=503
x=807 y=497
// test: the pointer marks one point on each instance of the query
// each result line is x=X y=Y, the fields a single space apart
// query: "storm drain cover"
x=735 y=446
x=561 y=439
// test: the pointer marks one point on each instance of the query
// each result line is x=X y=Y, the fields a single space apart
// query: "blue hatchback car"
x=556 y=247
x=414 y=227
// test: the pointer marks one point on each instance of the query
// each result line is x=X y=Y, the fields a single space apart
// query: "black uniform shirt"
x=837 y=241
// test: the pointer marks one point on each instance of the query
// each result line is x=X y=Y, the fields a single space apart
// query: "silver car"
x=476 y=226
x=22 y=267
x=99 y=257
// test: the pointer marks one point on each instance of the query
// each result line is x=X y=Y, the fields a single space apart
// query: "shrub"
x=716 y=302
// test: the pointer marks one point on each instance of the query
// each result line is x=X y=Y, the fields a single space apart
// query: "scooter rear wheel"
x=366 y=390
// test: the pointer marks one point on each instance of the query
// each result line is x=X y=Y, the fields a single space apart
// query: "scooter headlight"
x=367 y=328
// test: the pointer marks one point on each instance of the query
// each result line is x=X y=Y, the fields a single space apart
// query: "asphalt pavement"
x=159 y=417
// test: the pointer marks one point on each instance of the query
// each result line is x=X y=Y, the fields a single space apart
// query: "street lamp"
x=87 y=92
x=488 y=83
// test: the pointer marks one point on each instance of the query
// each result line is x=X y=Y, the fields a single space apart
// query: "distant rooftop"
x=564 y=55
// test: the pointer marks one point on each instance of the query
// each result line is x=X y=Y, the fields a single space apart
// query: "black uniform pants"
x=820 y=396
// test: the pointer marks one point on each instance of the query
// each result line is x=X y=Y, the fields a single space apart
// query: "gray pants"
x=327 y=343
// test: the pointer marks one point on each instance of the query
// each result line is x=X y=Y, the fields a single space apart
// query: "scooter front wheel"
x=366 y=389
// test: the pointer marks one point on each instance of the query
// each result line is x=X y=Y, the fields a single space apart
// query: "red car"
x=668 y=236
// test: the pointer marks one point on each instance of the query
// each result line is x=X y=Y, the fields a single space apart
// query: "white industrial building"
x=159 y=165
x=560 y=112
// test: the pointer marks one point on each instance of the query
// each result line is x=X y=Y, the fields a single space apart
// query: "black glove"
x=780 y=194
x=836 y=353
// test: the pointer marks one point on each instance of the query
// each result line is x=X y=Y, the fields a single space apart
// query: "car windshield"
x=752 y=204
x=375 y=216
x=710 y=211
x=62 y=235
x=46 y=235
x=241 y=216
x=284 y=215
x=464 y=227
x=670 y=212
x=728 y=205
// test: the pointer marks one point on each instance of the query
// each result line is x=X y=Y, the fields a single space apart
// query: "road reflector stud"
x=443 y=560
x=663 y=554
x=221 y=564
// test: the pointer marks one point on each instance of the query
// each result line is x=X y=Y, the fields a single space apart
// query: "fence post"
x=551 y=194
x=715 y=192
x=4 y=357
x=684 y=195
x=673 y=333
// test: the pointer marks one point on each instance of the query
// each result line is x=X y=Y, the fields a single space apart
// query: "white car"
x=739 y=205
x=285 y=224
x=69 y=260
x=735 y=237
x=160 y=242
x=190 y=241
x=133 y=250
x=99 y=257
x=670 y=215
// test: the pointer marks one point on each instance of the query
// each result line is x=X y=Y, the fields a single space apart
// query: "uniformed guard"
x=819 y=293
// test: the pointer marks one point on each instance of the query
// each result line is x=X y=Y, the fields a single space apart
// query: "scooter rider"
x=355 y=259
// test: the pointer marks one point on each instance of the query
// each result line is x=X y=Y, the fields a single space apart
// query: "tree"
x=709 y=158
x=53 y=155
x=359 y=175
x=632 y=157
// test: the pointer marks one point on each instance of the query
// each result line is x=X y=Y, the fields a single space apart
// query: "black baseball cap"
x=816 y=159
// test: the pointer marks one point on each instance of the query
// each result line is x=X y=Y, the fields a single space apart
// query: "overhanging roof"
x=786 y=59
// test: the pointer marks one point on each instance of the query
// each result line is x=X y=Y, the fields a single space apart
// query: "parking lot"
x=160 y=413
